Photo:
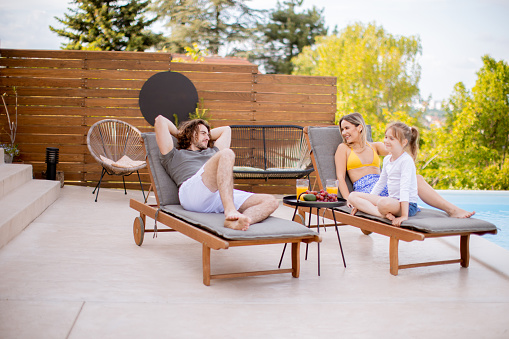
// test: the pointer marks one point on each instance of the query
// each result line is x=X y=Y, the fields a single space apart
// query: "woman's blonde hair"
x=401 y=131
x=356 y=119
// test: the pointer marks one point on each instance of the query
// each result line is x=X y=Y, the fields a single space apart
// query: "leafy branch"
x=200 y=112
x=11 y=149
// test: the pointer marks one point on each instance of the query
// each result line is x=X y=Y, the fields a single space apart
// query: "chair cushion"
x=126 y=162
x=106 y=161
x=324 y=142
x=433 y=221
x=247 y=169
x=270 y=228
x=167 y=191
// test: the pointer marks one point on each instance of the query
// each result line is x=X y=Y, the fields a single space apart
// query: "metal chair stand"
x=105 y=171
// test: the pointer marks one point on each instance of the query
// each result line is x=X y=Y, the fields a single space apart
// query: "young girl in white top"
x=398 y=173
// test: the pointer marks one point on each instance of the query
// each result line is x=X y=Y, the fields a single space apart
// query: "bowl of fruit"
x=311 y=198
x=319 y=196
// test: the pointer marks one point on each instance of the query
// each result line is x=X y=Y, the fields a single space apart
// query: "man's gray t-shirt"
x=181 y=164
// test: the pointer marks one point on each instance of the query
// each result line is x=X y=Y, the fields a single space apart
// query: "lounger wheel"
x=366 y=232
x=138 y=230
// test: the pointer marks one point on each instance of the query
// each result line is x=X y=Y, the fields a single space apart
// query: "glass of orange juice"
x=302 y=186
x=331 y=185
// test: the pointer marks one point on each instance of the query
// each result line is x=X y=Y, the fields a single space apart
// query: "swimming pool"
x=492 y=206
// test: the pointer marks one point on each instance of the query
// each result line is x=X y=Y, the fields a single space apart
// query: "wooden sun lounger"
x=207 y=228
x=323 y=142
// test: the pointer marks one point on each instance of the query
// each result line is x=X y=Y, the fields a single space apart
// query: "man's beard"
x=200 y=146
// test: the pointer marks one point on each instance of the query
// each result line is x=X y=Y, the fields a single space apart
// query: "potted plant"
x=11 y=150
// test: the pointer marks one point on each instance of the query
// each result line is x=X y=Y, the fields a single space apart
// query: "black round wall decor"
x=168 y=94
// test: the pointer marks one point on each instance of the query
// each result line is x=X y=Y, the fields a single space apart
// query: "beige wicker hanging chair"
x=118 y=147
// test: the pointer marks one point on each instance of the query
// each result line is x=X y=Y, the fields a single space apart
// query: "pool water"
x=492 y=206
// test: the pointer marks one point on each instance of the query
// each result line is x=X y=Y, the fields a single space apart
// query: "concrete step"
x=13 y=176
x=23 y=204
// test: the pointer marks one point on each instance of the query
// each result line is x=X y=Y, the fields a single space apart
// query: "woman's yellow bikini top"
x=354 y=162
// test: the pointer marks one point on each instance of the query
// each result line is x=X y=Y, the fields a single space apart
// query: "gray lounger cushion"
x=324 y=142
x=214 y=222
x=433 y=221
x=166 y=188
x=270 y=228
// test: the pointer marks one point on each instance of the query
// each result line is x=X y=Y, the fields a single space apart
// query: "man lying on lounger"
x=202 y=168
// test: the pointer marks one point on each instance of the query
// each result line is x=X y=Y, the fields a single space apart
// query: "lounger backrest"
x=165 y=188
x=324 y=141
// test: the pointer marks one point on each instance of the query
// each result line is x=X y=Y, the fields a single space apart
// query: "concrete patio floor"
x=75 y=272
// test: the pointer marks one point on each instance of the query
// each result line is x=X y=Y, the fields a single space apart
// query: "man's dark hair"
x=187 y=130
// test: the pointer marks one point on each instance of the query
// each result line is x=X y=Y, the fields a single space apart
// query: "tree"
x=375 y=70
x=474 y=144
x=212 y=24
x=456 y=103
x=108 y=25
x=287 y=33
x=491 y=95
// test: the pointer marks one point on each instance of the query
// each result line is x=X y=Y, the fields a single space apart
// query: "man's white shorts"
x=195 y=196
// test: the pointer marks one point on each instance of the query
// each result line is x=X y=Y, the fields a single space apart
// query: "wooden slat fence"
x=62 y=93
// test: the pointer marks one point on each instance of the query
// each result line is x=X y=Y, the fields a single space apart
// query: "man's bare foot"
x=460 y=213
x=237 y=221
x=390 y=216
x=354 y=210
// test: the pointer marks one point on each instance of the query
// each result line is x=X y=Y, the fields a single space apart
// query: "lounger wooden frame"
x=211 y=241
x=393 y=232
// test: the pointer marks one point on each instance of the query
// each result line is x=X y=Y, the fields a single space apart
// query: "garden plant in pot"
x=11 y=149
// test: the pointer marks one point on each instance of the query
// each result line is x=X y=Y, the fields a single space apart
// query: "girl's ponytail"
x=414 y=142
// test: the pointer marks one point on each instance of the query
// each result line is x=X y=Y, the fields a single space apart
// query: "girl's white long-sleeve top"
x=400 y=177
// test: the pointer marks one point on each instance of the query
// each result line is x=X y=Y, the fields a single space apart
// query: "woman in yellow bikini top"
x=362 y=160
x=354 y=161
x=352 y=158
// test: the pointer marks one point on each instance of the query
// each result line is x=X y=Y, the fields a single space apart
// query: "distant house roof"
x=215 y=59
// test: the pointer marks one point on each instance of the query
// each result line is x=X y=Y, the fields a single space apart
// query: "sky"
x=454 y=34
